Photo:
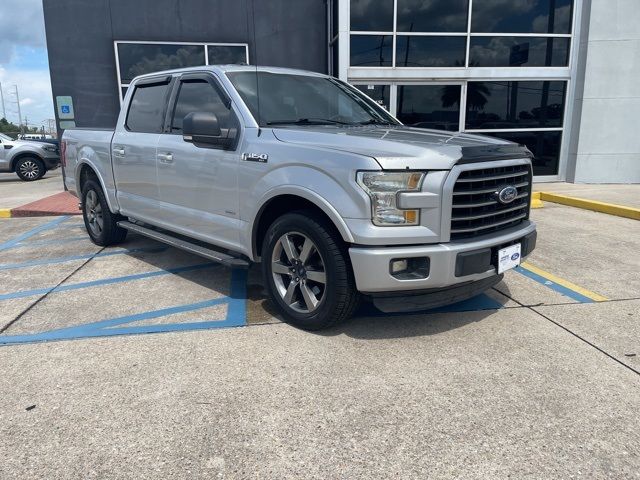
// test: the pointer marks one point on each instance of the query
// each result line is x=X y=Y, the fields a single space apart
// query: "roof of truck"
x=232 y=68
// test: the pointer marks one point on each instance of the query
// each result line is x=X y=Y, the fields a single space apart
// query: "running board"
x=216 y=256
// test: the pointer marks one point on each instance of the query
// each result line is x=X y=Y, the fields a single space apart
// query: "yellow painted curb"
x=536 y=202
x=608 y=208
x=565 y=283
x=5 y=213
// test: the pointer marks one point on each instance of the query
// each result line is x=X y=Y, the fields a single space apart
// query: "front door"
x=198 y=184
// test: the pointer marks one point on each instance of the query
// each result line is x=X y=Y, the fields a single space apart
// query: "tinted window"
x=200 y=96
x=545 y=147
x=305 y=100
x=378 y=93
x=521 y=16
x=429 y=106
x=430 y=51
x=432 y=15
x=221 y=54
x=371 y=50
x=146 y=111
x=372 y=15
x=515 y=104
x=519 y=51
x=137 y=59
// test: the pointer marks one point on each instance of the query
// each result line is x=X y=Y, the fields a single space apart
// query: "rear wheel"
x=101 y=224
x=307 y=271
x=30 y=169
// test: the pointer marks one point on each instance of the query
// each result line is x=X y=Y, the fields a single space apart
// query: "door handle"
x=165 y=158
x=118 y=151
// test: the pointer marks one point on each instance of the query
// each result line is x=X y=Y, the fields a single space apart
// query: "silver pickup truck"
x=306 y=175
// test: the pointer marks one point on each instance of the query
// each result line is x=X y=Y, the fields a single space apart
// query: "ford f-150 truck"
x=308 y=176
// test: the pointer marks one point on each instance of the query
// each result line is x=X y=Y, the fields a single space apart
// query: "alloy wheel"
x=298 y=271
x=93 y=210
x=29 y=169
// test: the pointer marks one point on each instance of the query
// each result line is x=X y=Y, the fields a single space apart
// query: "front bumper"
x=51 y=162
x=449 y=263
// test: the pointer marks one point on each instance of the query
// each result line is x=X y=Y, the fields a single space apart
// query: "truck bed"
x=91 y=146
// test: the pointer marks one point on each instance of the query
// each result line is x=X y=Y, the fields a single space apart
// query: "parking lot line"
x=236 y=317
x=560 y=285
x=106 y=281
x=55 y=241
x=48 y=261
x=34 y=231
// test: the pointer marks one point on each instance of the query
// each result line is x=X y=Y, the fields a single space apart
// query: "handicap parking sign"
x=65 y=109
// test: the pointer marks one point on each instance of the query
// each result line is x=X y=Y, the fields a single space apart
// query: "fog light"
x=413 y=268
x=398 y=266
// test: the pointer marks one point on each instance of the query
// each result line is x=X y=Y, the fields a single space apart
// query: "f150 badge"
x=255 y=157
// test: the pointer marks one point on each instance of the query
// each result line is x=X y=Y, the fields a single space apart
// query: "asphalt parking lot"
x=142 y=361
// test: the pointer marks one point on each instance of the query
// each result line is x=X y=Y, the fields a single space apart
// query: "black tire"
x=30 y=169
x=101 y=224
x=329 y=261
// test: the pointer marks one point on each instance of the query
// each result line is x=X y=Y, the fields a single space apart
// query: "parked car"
x=334 y=196
x=28 y=159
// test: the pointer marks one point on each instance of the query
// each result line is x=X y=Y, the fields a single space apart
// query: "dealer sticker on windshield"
x=508 y=258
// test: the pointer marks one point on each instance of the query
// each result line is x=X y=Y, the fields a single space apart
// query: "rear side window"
x=200 y=96
x=146 y=111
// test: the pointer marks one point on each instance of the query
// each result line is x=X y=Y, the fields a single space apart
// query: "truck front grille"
x=476 y=210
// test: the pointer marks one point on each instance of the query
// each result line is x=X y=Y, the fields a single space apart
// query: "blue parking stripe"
x=32 y=232
x=106 y=281
x=567 y=292
x=48 y=261
x=55 y=241
x=236 y=317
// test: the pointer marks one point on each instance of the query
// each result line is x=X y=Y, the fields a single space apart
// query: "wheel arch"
x=22 y=155
x=85 y=171
x=283 y=202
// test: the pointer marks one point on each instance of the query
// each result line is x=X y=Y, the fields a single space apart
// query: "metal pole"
x=4 y=111
x=19 y=111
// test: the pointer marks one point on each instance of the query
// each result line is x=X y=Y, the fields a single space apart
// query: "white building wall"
x=605 y=147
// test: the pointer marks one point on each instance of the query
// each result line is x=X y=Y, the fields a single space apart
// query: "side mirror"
x=203 y=128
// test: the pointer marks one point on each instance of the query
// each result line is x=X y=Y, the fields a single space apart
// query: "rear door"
x=198 y=184
x=134 y=146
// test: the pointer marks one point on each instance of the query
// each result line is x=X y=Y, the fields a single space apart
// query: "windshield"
x=5 y=138
x=289 y=99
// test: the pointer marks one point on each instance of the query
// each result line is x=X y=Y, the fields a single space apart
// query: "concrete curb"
x=58 y=204
x=594 y=205
x=535 y=200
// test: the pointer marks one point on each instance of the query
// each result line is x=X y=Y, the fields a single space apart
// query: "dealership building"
x=558 y=76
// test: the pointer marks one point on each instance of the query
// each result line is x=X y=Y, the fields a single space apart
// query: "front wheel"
x=307 y=271
x=30 y=169
x=101 y=224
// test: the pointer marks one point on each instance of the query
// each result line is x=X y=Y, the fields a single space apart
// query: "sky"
x=23 y=61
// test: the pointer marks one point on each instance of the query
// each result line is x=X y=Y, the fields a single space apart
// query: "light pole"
x=18 y=104
x=4 y=111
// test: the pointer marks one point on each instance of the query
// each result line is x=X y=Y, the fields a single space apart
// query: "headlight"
x=383 y=189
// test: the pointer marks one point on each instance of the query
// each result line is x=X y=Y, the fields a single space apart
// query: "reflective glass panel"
x=432 y=15
x=140 y=58
x=378 y=93
x=507 y=104
x=226 y=54
x=545 y=147
x=521 y=16
x=519 y=52
x=371 y=50
x=429 y=106
x=415 y=51
x=372 y=15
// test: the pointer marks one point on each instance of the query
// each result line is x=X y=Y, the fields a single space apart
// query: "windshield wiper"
x=375 y=122
x=309 y=121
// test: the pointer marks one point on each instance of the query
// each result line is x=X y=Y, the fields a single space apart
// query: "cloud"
x=34 y=87
x=21 y=24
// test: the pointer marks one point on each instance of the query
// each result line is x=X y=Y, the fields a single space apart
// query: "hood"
x=399 y=148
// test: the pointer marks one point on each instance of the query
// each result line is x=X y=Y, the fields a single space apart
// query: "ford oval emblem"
x=515 y=256
x=507 y=194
